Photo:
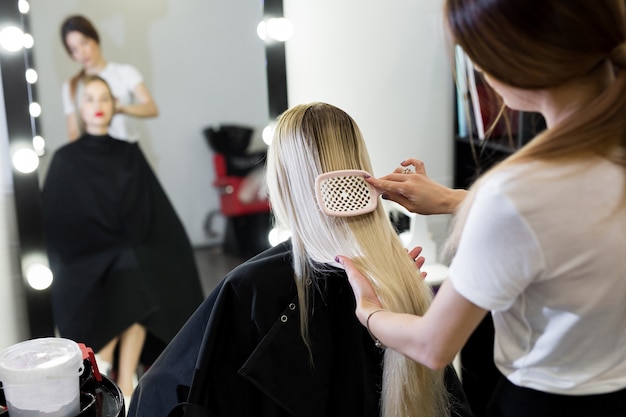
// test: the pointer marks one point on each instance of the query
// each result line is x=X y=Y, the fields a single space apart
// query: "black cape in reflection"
x=117 y=249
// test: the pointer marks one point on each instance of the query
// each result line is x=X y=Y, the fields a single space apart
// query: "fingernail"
x=384 y=197
x=367 y=176
x=402 y=162
x=337 y=259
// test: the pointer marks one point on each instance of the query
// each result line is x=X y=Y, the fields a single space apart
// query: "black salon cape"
x=117 y=249
x=255 y=361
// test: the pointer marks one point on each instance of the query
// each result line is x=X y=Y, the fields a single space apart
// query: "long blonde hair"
x=574 y=39
x=315 y=138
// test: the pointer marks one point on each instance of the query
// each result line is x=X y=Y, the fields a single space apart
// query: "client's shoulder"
x=271 y=268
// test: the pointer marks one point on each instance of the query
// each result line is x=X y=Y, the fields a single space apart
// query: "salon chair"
x=238 y=167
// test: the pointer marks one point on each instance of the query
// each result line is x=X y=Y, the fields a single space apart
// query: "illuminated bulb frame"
x=276 y=63
x=22 y=128
x=23 y=46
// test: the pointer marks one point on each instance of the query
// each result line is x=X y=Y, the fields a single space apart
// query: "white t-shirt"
x=544 y=248
x=122 y=78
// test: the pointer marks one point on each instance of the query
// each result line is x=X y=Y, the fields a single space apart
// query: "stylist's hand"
x=366 y=298
x=417 y=259
x=416 y=191
x=119 y=107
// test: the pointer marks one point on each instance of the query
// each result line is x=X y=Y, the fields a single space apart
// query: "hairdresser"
x=132 y=97
x=539 y=239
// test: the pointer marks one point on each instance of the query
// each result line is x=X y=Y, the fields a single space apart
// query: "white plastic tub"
x=41 y=377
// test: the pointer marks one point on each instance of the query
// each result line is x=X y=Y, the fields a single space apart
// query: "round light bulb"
x=279 y=29
x=267 y=134
x=35 y=109
x=39 y=144
x=23 y=6
x=12 y=38
x=39 y=276
x=31 y=76
x=276 y=236
x=261 y=30
x=25 y=160
x=28 y=41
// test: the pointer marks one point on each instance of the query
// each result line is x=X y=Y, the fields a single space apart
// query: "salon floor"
x=213 y=264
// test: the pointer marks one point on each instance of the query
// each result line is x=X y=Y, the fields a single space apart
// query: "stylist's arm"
x=434 y=339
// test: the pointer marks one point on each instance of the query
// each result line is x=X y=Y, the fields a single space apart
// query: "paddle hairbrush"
x=345 y=193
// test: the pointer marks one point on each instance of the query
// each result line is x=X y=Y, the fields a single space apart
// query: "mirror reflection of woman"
x=96 y=110
x=132 y=97
x=123 y=266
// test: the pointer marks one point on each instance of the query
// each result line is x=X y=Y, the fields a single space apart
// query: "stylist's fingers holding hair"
x=418 y=260
x=366 y=298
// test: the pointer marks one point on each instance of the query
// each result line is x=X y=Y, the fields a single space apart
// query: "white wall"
x=386 y=64
x=12 y=309
x=201 y=59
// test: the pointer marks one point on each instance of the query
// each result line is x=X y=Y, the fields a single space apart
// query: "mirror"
x=203 y=63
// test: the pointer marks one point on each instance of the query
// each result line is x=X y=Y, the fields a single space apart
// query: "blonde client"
x=278 y=336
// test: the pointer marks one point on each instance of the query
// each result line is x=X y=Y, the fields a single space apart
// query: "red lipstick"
x=99 y=114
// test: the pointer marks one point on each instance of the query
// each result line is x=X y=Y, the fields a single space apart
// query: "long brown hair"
x=539 y=44
x=81 y=24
